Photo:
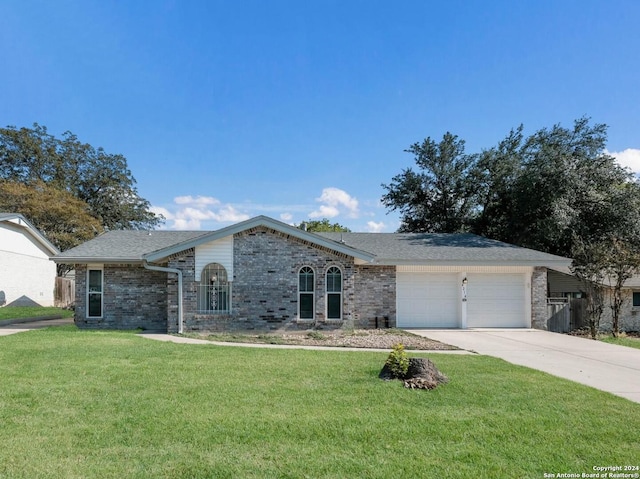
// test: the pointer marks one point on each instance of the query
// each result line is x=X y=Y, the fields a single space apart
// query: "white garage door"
x=496 y=300
x=427 y=300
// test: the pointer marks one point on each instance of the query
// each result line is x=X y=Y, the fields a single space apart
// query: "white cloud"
x=373 y=227
x=629 y=158
x=334 y=202
x=325 y=212
x=229 y=214
x=190 y=212
x=286 y=217
x=198 y=200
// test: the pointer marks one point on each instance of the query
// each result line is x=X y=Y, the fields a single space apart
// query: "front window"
x=94 y=293
x=636 y=299
x=334 y=293
x=214 y=290
x=305 y=293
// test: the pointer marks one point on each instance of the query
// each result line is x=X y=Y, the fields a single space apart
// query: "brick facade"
x=133 y=298
x=265 y=284
x=375 y=296
x=264 y=290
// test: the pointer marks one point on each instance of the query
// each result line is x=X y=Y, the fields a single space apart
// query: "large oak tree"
x=101 y=182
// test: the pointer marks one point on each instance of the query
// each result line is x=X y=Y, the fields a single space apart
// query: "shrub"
x=398 y=361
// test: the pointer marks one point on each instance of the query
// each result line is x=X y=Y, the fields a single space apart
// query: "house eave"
x=431 y=262
x=97 y=260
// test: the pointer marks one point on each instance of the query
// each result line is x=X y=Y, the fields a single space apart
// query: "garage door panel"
x=496 y=300
x=427 y=300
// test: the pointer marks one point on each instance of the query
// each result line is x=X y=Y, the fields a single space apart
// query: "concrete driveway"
x=615 y=369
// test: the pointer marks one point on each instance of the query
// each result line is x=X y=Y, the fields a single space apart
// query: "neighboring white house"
x=26 y=274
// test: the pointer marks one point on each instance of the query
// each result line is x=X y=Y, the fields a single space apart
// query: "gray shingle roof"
x=385 y=248
x=126 y=245
x=406 y=248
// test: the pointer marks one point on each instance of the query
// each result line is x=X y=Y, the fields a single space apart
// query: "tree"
x=99 y=179
x=495 y=173
x=622 y=246
x=534 y=191
x=589 y=265
x=62 y=218
x=623 y=262
x=564 y=188
x=441 y=196
x=321 y=226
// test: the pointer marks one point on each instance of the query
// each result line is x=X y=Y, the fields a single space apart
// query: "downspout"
x=154 y=267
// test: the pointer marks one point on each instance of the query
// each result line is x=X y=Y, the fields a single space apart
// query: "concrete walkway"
x=611 y=368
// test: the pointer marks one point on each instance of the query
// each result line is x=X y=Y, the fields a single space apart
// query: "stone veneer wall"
x=133 y=298
x=539 y=298
x=375 y=296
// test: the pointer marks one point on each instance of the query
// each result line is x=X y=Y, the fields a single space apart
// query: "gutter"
x=154 y=267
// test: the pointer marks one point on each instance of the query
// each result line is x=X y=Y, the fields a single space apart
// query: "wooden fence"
x=565 y=314
x=64 y=293
x=559 y=315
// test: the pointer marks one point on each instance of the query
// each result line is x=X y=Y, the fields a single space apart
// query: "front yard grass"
x=20 y=312
x=622 y=340
x=87 y=404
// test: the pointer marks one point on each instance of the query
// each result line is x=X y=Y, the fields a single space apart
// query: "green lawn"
x=112 y=405
x=628 y=341
x=18 y=312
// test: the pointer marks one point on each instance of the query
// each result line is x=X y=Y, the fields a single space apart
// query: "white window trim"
x=327 y=293
x=312 y=292
x=95 y=267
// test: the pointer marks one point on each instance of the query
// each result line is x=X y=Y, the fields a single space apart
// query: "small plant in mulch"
x=415 y=373
x=398 y=361
x=316 y=335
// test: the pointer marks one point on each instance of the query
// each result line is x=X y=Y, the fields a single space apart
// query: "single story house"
x=264 y=274
x=27 y=277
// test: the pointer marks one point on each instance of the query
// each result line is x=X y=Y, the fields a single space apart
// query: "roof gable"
x=266 y=222
x=17 y=221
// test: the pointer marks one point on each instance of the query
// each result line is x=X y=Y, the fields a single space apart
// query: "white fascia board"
x=531 y=263
x=268 y=223
x=96 y=260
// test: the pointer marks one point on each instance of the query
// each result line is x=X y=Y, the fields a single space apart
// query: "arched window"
x=214 y=290
x=334 y=293
x=306 y=295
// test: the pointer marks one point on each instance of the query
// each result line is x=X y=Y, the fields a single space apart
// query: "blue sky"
x=301 y=109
